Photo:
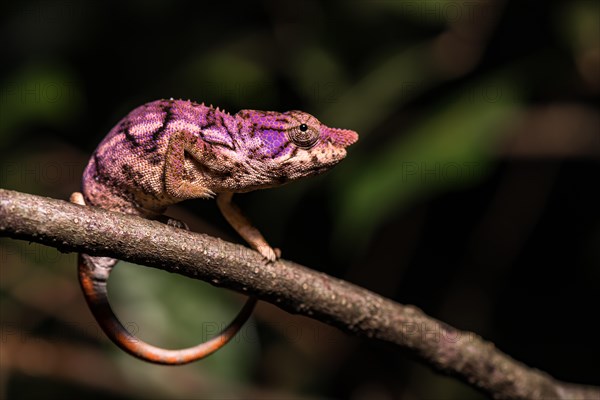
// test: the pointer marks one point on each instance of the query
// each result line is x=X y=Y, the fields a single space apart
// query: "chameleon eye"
x=303 y=136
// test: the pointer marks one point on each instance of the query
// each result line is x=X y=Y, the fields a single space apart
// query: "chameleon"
x=167 y=151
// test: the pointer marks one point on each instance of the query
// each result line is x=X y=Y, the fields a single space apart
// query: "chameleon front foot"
x=245 y=229
x=269 y=253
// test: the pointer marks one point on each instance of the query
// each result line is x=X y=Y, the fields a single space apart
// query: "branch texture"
x=290 y=286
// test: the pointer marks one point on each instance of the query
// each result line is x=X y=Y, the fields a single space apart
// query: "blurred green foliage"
x=453 y=148
x=37 y=94
x=172 y=311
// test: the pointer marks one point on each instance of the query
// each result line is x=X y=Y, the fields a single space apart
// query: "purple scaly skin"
x=168 y=151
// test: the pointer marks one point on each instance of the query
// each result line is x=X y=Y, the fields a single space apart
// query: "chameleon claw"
x=273 y=255
x=175 y=223
x=269 y=254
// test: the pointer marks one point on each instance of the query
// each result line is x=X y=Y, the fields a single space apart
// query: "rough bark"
x=292 y=287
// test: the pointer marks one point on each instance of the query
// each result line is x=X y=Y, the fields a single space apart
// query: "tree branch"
x=290 y=286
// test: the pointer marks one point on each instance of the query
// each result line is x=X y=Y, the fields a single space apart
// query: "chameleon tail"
x=93 y=277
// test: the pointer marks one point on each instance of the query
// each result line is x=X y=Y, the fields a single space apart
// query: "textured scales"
x=167 y=151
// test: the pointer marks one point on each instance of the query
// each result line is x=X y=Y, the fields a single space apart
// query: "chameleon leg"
x=175 y=184
x=93 y=277
x=244 y=227
x=184 y=142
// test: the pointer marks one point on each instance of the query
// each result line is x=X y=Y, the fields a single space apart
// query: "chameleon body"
x=168 y=151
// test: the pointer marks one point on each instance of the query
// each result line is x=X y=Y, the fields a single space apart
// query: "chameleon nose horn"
x=341 y=137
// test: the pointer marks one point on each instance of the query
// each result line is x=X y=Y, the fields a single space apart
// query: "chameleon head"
x=315 y=146
x=295 y=144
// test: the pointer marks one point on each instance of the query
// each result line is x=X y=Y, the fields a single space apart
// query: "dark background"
x=472 y=192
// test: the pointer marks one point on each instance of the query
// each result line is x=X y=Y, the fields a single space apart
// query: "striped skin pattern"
x=168 y=151
x=239 y=153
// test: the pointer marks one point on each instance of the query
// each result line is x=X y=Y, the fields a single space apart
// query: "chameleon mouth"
x=333 y=155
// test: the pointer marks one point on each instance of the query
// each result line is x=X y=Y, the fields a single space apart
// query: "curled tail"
x=93 y=277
